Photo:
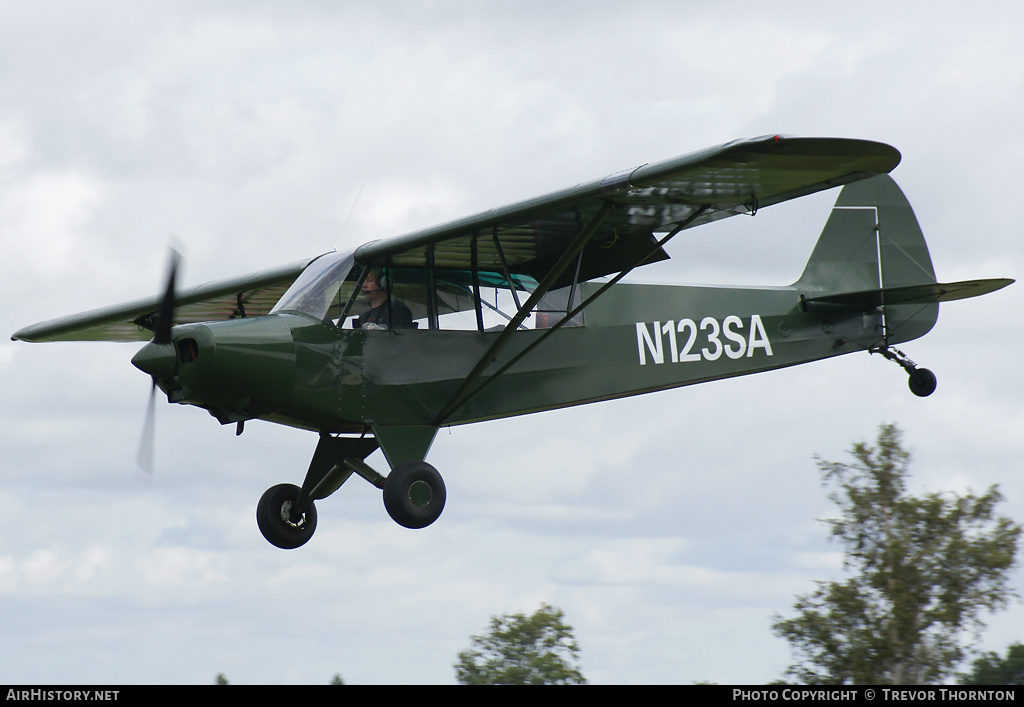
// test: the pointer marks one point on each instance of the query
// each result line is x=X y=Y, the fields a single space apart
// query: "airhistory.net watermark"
x=49 y=695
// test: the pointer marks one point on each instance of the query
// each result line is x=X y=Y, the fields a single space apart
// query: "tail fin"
x=871 y=256
x=871 y=241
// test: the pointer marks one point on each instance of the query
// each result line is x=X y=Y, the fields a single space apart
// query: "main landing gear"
x=414 y=492
x=922 y=381
x=281 y=520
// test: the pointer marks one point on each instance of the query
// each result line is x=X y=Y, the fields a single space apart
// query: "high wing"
x=250 y=295
x=626 y=209
x=608 y=227
x=600 y=228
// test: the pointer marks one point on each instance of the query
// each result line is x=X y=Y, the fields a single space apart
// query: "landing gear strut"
x=922 y=381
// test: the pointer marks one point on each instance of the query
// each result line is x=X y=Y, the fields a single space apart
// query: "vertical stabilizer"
x=873 y=243
x=872 y=240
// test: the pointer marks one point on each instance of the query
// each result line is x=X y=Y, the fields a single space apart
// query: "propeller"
x=154 y=356
x=144 y=458
x=165 y=315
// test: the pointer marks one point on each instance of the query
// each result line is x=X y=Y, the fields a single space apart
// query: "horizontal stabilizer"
x=912 y=294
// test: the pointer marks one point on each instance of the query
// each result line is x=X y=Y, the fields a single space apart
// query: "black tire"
x=414 y=494
x=922 y=382
x=279 y=525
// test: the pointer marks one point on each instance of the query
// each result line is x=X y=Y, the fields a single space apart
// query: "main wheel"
x=414 y=494
x=279 y=522
x=922 y=382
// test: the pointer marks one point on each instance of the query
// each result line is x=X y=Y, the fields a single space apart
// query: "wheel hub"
x=293 y=519
x=420 y=494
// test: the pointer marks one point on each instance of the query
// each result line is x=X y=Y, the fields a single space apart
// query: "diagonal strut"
x=579 y=242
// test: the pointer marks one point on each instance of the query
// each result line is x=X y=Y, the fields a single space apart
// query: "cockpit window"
x=437 y=298
x=323 y=288
x=447 y=298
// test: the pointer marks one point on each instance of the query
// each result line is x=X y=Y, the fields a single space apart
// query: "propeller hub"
x=158 y=360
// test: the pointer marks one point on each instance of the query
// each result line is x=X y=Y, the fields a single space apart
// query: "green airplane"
x=521 y=309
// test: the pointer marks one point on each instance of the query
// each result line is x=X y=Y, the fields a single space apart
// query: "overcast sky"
x=670 y=528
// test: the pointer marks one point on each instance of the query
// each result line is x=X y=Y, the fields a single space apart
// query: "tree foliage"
x=990 y=669
x=922 y=572
x=523 y=650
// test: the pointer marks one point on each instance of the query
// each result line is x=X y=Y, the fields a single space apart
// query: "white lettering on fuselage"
x=685 y=341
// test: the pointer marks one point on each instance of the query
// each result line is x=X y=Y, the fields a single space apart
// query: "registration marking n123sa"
x=686 y=341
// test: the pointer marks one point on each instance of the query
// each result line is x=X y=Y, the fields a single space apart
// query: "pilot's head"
x=372 y=288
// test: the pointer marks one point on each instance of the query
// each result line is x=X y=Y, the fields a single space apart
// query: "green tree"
x=990 y=669
x=922 y=571
x=336 y=680
x=221 y=679
x=523 y=650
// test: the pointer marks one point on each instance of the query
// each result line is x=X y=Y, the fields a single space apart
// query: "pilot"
x=384 y=314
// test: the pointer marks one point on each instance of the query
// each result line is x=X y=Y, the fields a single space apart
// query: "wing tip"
x=24 y=334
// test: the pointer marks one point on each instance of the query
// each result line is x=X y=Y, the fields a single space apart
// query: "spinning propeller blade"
x=165 y=315
x=145 y=456
x=164 y=321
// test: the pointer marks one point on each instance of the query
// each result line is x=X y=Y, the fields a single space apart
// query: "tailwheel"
x=922 y=382
x=281 y=522
x=414 y=494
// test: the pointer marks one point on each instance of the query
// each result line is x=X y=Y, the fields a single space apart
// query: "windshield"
x=322 y=285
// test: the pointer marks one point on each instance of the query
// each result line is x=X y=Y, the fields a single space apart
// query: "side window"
x=457 y=303
x=499 y=302
x=556 y=304
x=446 y=299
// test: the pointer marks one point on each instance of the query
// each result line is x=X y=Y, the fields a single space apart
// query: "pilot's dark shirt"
x=401 y=315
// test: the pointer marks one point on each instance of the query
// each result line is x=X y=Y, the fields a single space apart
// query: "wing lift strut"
x=472 y=385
